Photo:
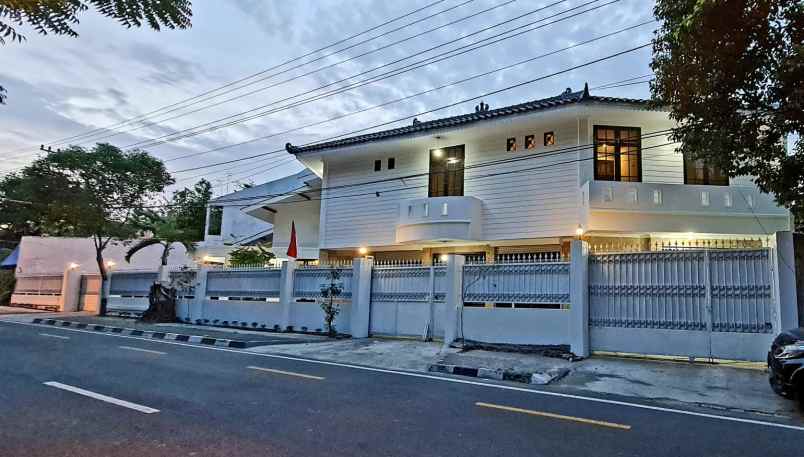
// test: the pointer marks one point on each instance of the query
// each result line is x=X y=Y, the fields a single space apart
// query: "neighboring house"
x=263 y=215
x=528 y=178
x=52 y=255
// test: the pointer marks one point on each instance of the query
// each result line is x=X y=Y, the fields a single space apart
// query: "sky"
x=60 y=87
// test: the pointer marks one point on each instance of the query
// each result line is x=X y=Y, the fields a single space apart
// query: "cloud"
x=59 y=86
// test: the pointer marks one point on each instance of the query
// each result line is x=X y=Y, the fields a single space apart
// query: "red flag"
x=292 y=251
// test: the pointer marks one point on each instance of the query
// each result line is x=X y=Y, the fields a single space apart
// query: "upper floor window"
x=391 y=163
x=699 y=172
x=446 y=171
x=215 y=221
x=377 y=165
x=618 y=153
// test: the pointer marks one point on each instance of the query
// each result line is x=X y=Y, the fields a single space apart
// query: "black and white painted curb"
x=145 y=333
x=541 y=378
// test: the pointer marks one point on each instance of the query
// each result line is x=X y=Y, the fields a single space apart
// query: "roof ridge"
x=566 y=97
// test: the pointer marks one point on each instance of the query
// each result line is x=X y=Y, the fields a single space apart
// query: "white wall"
x=306 y=216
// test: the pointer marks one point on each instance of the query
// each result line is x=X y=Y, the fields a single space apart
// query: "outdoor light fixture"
x=438 y=153
x=111 y=263
x=579 y=231
x=453 y=160
x=443 y=257
x=362 y=251
x=72 y=265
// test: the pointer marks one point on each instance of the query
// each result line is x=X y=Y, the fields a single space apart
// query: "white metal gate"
x=407 y=300
x=702 y=303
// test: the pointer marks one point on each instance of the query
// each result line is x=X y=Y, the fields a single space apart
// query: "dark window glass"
x=699 y=172
x=391 y=163
x=377 y=165
x=215 y=220
x=446 y=171
x=618 y=154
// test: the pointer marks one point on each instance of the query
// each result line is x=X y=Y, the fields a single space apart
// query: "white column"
x=70 y=289
x=286 y=291
x=454 y=298
x=361 y=297
x=579 y=298
x=200 y=294
x=784 y=263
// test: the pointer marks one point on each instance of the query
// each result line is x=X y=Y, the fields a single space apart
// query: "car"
x=786 y=364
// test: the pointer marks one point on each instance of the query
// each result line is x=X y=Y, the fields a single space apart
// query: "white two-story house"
x=527 y=178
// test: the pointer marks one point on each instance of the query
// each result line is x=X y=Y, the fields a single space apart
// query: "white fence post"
x=784 y=264
x=200 y=292
x=454 y=297
x=361 y=297
x=70 y=289
x=286 y=291
x=579 y=298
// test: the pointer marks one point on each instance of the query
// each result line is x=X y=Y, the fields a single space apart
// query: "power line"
x=408 y=97
x=264 y=78
x=186 y=133
x=261 y=72
x=487 y=94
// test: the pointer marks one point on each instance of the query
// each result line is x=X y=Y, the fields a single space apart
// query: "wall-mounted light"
x=437 y=153
x=72 y=265
x=362 y=251
x=443 y=257
x=110 y=263
x=453 y=160
x=579 y=231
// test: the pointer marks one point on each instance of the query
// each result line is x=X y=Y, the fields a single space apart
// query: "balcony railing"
x=439 y=219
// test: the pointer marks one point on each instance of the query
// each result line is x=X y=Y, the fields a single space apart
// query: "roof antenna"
x=585 y=90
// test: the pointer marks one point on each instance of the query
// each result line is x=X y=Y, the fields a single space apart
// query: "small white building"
x=528 y=178
x=263 y=214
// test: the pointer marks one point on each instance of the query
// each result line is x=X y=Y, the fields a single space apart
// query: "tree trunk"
x=104 y=277
x=161 y=304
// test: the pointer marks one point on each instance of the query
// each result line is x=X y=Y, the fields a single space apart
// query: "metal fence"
x=309 y=280
x=132 y=283
x=682 y=290
x=518 y=282
x=38 y=285
x=244 y=282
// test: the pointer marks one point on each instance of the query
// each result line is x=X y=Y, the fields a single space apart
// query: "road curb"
x=540 y=378
x=200 y=339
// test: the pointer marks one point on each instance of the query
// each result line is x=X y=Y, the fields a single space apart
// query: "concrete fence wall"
x=701 y=303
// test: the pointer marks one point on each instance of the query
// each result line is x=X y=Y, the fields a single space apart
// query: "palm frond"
x=140 y=245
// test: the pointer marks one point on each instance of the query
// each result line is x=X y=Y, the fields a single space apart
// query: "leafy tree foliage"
x=188 y=209
x=99 y=193
x=731 y=72
x=6 y=279
x=250 y=255
x=60 y=17
x=330 y=291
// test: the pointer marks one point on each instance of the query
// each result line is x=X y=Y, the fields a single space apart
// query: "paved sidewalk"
x=716 y=387
x=11 y=310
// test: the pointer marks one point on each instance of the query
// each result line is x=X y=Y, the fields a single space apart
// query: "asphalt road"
x=66 y=392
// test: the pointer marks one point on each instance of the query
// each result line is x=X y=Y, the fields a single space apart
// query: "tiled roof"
x=566 y=98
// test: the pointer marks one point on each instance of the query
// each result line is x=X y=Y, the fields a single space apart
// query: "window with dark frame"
x=699 y=172
x=377 y=165
x=510 y=144
x=549 y=138
x=391 y=163
x=530 y=141
x=446 y=171
x=618 y=153
x=215 y=224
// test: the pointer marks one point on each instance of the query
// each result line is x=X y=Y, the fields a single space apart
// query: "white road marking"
x=55 y=336
x=101 y=397
x=287 y=373
x=446 y=379
x=130 y=348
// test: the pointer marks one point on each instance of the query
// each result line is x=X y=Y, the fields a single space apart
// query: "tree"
x=731 y=73
x=6 y=279
x=99 y=193
x=59 y=16
x=167 y=233
x=188 y=209
x=251 y=255
x=330 y=292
